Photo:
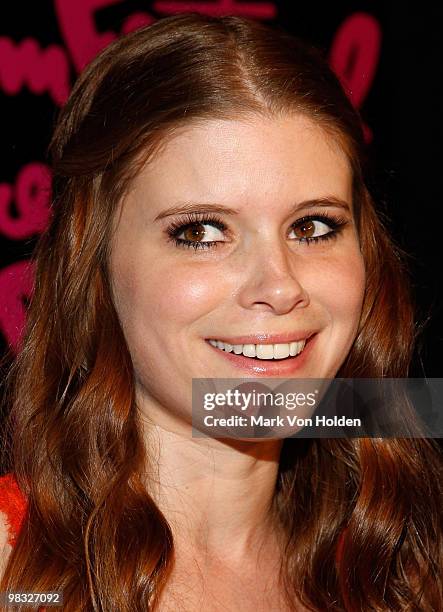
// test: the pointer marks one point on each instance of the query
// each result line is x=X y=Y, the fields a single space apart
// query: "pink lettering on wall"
x=31 y=194
x=41 y=70
x=16 y=282
x=257 y=10
x=77 y=25
x=354 y=56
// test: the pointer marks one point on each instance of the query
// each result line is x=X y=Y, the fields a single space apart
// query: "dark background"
x=402 y=110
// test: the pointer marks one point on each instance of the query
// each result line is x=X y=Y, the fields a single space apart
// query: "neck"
x=217 y=495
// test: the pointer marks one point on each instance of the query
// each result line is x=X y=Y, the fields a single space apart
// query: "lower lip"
x=267 y=367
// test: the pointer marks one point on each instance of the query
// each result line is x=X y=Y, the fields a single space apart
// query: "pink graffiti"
x=354 y=56
x=41 y=70
x=31 y=194
x=16 y=283
x=77 y=25
x=354 y=53
x=257 y=10
x=47 y=70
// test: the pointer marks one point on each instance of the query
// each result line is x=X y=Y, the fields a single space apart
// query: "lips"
x=267 y=338
x=259 y=367
x=262 y=351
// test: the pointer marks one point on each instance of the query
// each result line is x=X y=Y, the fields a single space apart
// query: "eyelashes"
x=334 y=224
x=193 y=219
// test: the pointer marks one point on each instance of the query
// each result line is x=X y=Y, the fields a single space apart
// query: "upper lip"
x=266 y=338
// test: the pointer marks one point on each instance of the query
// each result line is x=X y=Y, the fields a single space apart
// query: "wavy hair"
x=92 y=528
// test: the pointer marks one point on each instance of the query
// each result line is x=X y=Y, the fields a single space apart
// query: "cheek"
x=166 y=295
x=339 y=294
x=341 y=288
x=350 y=293
x=183 y=294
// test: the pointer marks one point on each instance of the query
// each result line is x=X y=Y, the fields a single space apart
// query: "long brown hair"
x=92 y=528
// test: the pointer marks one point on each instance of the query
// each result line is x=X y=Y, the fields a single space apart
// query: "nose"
x=272 y=282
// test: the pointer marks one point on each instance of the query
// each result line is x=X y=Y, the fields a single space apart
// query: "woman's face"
x=272 y=258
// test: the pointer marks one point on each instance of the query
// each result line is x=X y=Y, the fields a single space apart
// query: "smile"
x=262 y=351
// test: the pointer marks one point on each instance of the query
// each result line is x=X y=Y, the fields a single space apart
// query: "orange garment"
x=13 y=506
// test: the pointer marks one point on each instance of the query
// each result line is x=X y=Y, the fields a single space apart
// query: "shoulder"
x=12 y=508
x=12 y=511
x=5 y=547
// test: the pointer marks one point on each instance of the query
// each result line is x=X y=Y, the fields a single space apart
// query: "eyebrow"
x=206 y=207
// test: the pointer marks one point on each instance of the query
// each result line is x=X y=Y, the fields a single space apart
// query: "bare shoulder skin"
x=5 y=547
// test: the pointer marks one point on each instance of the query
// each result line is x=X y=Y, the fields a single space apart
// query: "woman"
x=208 y=190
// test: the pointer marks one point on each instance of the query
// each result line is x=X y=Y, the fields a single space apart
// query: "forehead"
x=264 y=161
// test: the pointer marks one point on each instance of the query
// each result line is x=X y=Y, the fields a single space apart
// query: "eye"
x=200 y=232
x=209 y=231
x=317 y=228
x=311 y=228
x=197 y=232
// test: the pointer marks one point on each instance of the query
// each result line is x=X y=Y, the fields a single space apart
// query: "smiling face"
x=248 y=273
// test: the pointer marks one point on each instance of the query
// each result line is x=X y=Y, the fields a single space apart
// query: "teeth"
x=266 y=351
x=281 y=351
x=249 y=350
x=262 y=351
x=296 y=347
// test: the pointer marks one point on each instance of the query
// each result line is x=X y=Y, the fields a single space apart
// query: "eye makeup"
x=194 y=220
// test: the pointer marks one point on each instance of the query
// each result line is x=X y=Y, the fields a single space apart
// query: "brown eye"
x=305 y=229
x=200 y=232
x=308 y=230
x=194 y=232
